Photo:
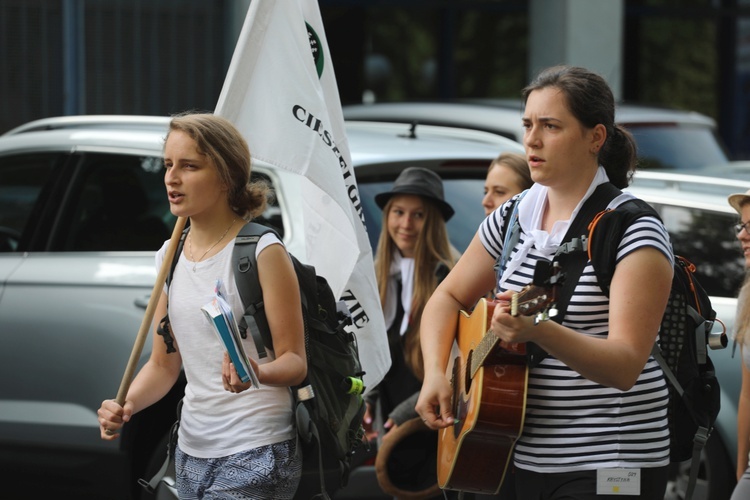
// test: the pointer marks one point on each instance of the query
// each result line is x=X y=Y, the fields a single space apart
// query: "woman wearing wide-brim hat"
x=412 y=257
x=741 y=203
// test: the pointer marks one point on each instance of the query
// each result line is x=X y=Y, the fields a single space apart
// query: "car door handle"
x=142 y=302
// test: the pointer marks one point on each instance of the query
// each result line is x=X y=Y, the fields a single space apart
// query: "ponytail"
x=619 y=156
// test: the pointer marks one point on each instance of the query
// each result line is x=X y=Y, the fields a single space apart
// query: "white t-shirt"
x=217 y=423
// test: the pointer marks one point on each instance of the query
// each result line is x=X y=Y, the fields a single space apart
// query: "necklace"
x=190 y=245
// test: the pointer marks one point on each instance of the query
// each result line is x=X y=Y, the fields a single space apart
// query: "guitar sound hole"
x=467 y=372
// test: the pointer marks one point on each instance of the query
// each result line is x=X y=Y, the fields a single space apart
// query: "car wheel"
x=716 y=478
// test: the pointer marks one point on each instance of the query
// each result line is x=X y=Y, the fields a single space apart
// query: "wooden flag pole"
x=148 y=316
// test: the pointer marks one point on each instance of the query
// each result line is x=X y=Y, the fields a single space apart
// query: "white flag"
x=280 y=91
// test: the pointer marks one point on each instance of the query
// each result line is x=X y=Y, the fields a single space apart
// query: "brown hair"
x=590 y=100
x=432 y=249
x=224 y=145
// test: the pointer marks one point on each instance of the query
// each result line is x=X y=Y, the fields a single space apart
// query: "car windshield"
x=667 y=146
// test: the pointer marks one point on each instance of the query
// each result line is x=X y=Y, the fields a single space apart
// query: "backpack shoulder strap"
x=511 y=234
x=164 y=327
x=248 y=284
x=572 y=256
x=572 y=251
x=178 y=251
x=605 y=234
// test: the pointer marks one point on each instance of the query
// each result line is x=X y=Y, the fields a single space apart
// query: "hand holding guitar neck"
x=541 y=293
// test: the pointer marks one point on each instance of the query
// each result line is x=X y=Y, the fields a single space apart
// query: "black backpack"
x=686 y=328
x=685 y=336
x=329 y=404
x=329 y=407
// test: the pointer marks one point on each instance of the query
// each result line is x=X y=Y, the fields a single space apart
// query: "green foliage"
x=488 y=57
x=491 y=54
x=678 y=63
x=487 y=51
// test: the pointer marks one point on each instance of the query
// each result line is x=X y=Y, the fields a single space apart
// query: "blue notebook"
x=220 y=315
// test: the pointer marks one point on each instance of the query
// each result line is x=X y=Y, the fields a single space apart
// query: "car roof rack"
x=672 y=181
x=91 y=121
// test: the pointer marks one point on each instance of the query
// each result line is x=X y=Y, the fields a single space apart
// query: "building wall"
x=165 y=56
x=110 y=56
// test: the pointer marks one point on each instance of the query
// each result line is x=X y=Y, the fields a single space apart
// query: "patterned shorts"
x=268 y=472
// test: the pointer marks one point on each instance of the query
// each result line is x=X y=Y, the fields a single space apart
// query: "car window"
x=22 y=178
x=117 y=202
x=464 y=195
x=681 y=148
x=707 y=240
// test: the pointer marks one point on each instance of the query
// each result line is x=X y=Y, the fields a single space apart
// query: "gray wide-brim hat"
x=739 y=199
x=406 y=462
x=422 y=182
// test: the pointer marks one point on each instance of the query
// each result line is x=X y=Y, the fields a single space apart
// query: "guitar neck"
x=531 y=300
x=482 y=350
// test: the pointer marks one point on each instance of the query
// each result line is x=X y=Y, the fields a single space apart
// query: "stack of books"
x=220 y=315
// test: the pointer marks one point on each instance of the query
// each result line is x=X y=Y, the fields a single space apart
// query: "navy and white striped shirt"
x=572 y=423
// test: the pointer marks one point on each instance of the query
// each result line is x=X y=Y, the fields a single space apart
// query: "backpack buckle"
x=244 y=264
x=305 y=393
x=574 y=245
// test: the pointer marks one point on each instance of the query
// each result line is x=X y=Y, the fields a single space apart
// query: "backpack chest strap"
x=578 y=244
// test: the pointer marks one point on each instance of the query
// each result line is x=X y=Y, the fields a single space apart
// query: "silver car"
x=76 y=275
x=700 y=222
x=83 y=208
x=668 y=139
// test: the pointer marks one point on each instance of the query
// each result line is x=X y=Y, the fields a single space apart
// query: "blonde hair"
x=432 y=249
x=224 y=145
x=518 y=164
x=742 y=318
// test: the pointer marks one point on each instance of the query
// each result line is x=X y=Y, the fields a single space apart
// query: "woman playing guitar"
x=594 y=421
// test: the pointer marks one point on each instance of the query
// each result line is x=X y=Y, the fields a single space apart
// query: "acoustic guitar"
x=489 y=394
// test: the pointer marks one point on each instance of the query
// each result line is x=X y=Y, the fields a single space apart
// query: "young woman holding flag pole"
x=232 y=442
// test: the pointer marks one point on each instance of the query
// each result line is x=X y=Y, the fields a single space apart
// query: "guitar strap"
x=572 y=257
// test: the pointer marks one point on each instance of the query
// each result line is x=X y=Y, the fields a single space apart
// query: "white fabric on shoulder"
x=530 y=210
x=265 y=241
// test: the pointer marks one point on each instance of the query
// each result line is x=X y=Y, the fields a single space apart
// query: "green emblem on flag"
x=316 y=48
